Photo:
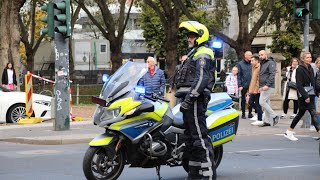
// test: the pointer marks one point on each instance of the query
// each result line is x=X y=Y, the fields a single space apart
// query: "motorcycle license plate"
x=223 y=132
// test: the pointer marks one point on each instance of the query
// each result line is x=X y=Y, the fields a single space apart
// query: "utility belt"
x=183 y=91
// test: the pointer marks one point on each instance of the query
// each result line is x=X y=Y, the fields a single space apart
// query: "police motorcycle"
x=143 y=131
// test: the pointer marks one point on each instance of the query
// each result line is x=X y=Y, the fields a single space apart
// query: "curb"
x=51 y=140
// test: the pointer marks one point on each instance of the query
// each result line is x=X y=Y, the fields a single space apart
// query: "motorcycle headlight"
x=110 y=113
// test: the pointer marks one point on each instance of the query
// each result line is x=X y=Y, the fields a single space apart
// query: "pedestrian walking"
x=9 y=79
x=244 y=78
x=317 y=103
x=200 y=70
x=254 y=89
x=290 y=89
x=232 y=82
x=266 y=85
x=307 y=90
x=154 y=80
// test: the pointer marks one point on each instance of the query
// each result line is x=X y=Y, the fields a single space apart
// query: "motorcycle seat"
x=178 y=120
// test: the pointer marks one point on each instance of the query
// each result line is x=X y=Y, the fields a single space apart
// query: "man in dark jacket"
x=266 y=86
x=244 y=78
x=154 y=80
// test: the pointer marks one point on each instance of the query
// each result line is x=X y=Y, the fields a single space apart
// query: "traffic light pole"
x=62 y=98
x=306 y=30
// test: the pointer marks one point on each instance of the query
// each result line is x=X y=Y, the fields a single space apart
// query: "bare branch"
x=35 y=48
x=261 y=20
x=33 y=20
x=212 y=29
x=106 y=16
x=94 y=21
x=127 y=19
x=24 y=33
x=184 y=9
x=75 y=16
x=250 y=6
x=157 y=10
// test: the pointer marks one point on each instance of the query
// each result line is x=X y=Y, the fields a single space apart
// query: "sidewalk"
x=85 y=131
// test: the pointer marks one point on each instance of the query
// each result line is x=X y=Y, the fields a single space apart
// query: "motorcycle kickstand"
x=158 y=172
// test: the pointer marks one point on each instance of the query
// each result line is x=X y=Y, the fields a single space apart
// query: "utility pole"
x=61 y=48
x=306 y=29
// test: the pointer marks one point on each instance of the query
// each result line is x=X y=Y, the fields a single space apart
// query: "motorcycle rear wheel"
x=99 y=165
x=218 y=153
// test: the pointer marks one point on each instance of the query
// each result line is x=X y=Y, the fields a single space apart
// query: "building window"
x=103 y=48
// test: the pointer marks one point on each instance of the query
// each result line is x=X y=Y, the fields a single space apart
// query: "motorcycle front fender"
x=103 y=140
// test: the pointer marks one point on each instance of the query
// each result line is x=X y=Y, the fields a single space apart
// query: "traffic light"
x=49 y=19
x=63 y=17
x=315 y=9
x=300 y=9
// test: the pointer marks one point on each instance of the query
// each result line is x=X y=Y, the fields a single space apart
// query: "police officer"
x=197 y=74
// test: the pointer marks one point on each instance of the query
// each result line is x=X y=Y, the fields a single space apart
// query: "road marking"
x=38 y=152
x=295 y=166
x=255 y=150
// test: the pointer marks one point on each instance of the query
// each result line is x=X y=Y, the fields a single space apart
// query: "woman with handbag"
x=9 y=79
x=306 y=88
x=290 y=89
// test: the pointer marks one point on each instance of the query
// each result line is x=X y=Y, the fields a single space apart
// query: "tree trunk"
x=243 y=46
x=116 y=56
x=30 y=61
x=10 y=34
x=171 y=47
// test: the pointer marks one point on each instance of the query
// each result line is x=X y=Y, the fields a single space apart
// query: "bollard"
x=53 y=106
x=29 y=91
x=77 y=94
x=70 y=92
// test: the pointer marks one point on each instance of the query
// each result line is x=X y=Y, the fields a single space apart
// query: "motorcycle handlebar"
x=155 y=98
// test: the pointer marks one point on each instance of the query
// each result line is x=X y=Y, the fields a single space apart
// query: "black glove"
x=154 y=95
x=185 y=105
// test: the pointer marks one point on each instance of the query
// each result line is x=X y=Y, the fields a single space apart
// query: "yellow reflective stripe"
x=100 y=142
x=162 y=110
x=126 y=105
x=224 y=119
x=204 y=50
x=224 y=140
x=152 y=115
x=209 y=112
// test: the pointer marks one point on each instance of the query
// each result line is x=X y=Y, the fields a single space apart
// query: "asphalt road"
x=246 y=158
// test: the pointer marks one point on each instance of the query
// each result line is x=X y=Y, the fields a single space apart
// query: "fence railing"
x=81 y=94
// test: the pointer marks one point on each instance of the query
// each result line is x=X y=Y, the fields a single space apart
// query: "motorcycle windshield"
x=123 y=80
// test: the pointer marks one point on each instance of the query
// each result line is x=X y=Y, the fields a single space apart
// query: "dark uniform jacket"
x=197 y=73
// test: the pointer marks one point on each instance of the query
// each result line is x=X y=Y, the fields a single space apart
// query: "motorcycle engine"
x=157 y=148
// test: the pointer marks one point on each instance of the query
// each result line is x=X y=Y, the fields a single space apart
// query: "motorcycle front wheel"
x=99 y=164
x=218 y=153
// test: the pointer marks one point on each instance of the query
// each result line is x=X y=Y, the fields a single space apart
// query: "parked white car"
x=12 y=106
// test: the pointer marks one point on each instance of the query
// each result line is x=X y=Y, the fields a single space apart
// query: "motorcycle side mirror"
x=99 y=101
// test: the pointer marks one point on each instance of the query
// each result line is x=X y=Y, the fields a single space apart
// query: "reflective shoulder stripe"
x=204 y=50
